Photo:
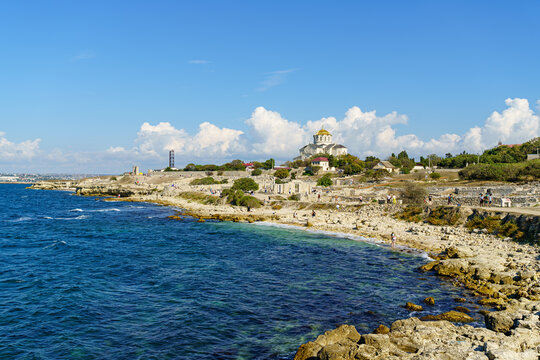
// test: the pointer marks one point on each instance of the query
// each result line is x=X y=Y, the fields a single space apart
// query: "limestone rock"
x=381 y=329
x=499 y=321
x=455 y=252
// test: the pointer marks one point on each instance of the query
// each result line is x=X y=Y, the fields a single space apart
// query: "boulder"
x=452 y=267
x=499 y=321
x=461 y=252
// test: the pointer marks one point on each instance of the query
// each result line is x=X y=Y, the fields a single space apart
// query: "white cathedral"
x=322 y=144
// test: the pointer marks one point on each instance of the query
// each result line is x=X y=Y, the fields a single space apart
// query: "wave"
x=77 y=210
x=20 y=219
x=80 y=217
x=353 y=237
x=55 y=243
x=107 y=210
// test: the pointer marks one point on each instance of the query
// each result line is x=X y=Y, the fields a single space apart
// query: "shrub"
x=249 y=201
x=113 y=178
x=435 y=175
x=413 y=193
x=256 y=172
x=410 y=214
x=203 y=181
x=209 y=173
x=294 y=197
x=293 y=175
x=245 y=184
x=494 y=225
x=324 y=180
x=220 y=173
x=443 y=215
x=224 y=181
x=281 y=173
x=279 y=181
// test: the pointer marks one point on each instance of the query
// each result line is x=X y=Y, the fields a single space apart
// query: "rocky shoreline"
x=502 y=272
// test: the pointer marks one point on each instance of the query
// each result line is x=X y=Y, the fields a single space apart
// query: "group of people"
x=486 y=199
x=391 y=199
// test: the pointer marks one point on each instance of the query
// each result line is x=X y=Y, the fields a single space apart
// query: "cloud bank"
x=363 y=132
x=269 y=134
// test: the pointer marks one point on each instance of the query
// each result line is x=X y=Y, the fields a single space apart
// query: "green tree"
x=281 y=173
x=256 y=172
x=324 y=180
x=245 y=184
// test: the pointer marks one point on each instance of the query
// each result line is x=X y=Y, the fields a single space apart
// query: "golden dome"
x=322 y=132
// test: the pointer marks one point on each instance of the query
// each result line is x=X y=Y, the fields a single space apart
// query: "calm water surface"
x=82 y=278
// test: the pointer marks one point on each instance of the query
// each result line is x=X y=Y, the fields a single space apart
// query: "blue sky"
x=83 y=78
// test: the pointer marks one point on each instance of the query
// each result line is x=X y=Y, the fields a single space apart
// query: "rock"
x=460 y=300
x=379 y=341
x=331 y=345
x=452 y=316
x=462 y=309
x=499 y=321
x=429 y=300
x=413 y=307
x=452 y=267
x=381 y=329
x=308 y=351
x=429 y=266
x=455 y=252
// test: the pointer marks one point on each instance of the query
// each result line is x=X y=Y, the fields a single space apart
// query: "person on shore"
x=394 y=200
x=393 y=237
x=481 y=199
x=313 y=213
x=319 y=197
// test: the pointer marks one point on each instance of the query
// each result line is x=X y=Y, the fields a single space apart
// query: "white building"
x=323 y=163
x=322 y=144
x=386 y=165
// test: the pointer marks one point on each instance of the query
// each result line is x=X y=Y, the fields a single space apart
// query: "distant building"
x=386 y=165
x=322 y=144
x=171 y=159
x=322 y=162
x=533 y=156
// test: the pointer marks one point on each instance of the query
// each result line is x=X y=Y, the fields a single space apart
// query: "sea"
x=84 y=278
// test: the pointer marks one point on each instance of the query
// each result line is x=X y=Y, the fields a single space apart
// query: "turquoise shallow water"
x=81 y=278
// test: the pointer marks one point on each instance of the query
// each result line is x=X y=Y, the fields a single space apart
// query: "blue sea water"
x=82 y=278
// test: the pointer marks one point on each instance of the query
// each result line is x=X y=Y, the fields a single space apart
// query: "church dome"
x=322 y=132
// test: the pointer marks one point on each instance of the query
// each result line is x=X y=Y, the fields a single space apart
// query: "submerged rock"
x=429 y=300
x=452 y=316
x=413 y=307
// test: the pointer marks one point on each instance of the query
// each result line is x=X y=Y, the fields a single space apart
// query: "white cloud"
x=269 y=134
x=273 y=135
x=274 y=78
x=10 y=151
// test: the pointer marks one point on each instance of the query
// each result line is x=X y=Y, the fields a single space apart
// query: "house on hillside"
x=249 y=166
x=386 y=165
x=323 y=163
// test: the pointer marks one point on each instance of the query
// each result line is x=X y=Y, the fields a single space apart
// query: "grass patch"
x=200 y=198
